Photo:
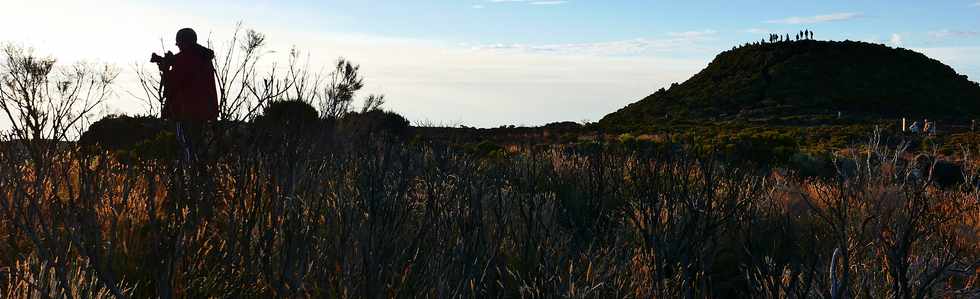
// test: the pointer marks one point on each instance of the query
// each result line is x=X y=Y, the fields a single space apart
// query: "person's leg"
x=184 y=141
x=190 y=134
x=195 y=137
x=199 y=140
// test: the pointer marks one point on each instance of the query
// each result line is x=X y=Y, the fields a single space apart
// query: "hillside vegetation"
x=786 y=80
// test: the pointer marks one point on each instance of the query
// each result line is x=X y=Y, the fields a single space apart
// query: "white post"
x=903 y=125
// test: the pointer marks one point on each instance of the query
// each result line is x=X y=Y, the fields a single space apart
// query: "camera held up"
x=163 y=61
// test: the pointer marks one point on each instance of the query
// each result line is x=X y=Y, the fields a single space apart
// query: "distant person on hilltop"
x=914 y=128
x=189 y=87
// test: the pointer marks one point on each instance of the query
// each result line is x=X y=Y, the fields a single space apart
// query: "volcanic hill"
x=808 y=77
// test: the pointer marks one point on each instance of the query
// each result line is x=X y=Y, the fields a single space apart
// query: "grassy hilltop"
x=795 y=81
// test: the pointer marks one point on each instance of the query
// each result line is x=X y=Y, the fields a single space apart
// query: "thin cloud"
x=677 y=41
x=548 y=2
x=946 y=33
x=896 y=40
x=975 y=4
x=693 y=34
x=843 y=16
x=531 y=2
x=478 y=6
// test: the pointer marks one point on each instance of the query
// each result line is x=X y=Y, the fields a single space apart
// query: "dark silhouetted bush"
x=117 y=132
x=287 y=116
x=376 y=122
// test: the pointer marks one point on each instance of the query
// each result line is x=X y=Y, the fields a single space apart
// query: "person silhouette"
x=190 y=89
x=190 y=84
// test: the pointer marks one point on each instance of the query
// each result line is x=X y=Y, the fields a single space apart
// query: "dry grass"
x=380 y=218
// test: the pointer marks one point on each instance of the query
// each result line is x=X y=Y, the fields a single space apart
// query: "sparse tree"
x=43 y=101
x=372 y=103
x=242 y=88
x=150 y=92
x=339 y=92
x=44 y=104
x=305 y=84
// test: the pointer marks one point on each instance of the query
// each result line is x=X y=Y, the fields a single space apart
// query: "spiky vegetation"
x=372 y=216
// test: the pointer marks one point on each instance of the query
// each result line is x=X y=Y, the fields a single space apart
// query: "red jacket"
x=191 y=92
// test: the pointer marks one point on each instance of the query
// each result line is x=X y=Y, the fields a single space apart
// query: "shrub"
x=287 y=116
x=118 y=132
x=376 y=122
x=627 y=138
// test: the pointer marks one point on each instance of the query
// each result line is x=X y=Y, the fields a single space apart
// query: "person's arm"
x=177 y=77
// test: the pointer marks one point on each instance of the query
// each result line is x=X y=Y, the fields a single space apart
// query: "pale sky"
x=487 y=63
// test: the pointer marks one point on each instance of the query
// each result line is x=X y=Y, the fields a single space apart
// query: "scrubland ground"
x=319 y=214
